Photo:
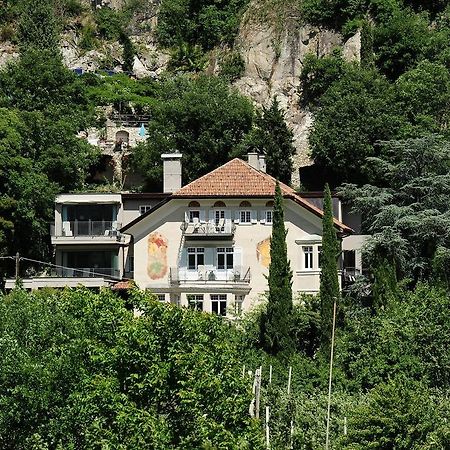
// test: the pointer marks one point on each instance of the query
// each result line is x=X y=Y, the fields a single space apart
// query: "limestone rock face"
x=273 y=60
x=273 y=64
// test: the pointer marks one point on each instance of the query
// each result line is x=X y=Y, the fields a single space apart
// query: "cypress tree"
x=276 y=322
x=329 y=282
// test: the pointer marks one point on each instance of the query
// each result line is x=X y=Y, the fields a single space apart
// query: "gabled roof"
x=237 y=178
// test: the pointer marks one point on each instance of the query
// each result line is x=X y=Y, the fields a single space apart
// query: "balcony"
x=79 y=230
x=209 y=275
x=224 y=229
x=87 y=272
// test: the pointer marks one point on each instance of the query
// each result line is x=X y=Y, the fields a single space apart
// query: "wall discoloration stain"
x=157 y=256
x=263 y=252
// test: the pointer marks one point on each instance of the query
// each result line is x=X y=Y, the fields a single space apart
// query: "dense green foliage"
x=276 y=322
x=43 y=107
x=79 y=370
x=272 y=137
x=329 y=283
x=202 y=118
x=205 y=22
x=400 y=89
x=406 y=209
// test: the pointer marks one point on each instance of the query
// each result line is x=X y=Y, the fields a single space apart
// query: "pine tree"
x=276 y=322
x=329 y=282
x=273 y=137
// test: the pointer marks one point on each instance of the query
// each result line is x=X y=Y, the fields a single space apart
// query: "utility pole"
x=327 y=442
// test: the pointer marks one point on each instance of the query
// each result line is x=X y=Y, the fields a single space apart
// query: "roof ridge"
x=208 y=174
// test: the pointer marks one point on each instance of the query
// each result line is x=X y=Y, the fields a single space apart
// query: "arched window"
x=123 y=137
x=269 y=204
x=245 y=204
x=219 y=204
x=194 y=204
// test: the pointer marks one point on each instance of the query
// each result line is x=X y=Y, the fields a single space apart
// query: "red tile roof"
x=123 y=285
x=237 y=178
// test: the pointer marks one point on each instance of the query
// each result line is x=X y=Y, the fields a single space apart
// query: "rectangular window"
x=161 y=297
x=196 y=257
x=349 y=259
x=219 y=304
x=238 y=301
x=319 y=256
x=219 y=214
x=269 y=216
x=194 y=215
x=144 y=208
x=307 y=257
x=225 y=258
x=245 y=216
x=195 y=301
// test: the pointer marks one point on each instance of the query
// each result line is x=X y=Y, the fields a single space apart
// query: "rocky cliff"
x=273 y=52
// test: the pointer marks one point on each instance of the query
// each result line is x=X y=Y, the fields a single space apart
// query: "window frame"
x=308 y=257
x=191 y=216
x=266 y=213
x=225 y=252
x=196 y=251
x=144 y=209
x=247 y=214
x=220 y=301
x=196 y=300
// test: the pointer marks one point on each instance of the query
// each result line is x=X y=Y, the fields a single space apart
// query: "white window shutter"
x=211 y=216
x=202 y=215
x=227 y=215
x=237 y=258
x=186 y=216
x=254 y=216
x=263 y=216
x=236 y=216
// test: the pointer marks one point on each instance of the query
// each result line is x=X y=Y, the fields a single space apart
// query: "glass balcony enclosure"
x=87 y=220
x=89 y=264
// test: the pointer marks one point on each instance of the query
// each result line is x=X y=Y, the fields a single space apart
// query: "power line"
x=56 y=266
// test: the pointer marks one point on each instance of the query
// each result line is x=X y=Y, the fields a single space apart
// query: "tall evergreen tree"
x=329 y=282
x=274 y=138
x=276 y=322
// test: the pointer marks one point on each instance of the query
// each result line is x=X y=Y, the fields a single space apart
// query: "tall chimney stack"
x=253 y=159
x=171 y=172
x=262 y=162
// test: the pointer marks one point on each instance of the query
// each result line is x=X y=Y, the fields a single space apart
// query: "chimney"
x=171 y=172
x=253 y=160
x=262 y=162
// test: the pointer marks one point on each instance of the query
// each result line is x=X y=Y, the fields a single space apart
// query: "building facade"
x=207 y=245
x=204 y=245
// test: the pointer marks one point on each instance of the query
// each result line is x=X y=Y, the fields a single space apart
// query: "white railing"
x=220 y=228
x=208 y=275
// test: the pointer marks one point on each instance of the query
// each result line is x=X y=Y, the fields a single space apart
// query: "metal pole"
x=289 y=380
x=327 y=443
x=17 y=265
x=270 y=374
x=257 y=391
x=267 y=427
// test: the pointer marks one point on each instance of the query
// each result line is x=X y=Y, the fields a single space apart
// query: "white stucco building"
x=204 y=245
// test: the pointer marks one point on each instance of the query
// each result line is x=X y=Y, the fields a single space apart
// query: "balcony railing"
x=211 y=275
x=86 y=272
x=205 y=229
x=89 y=228
x=349 y=275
